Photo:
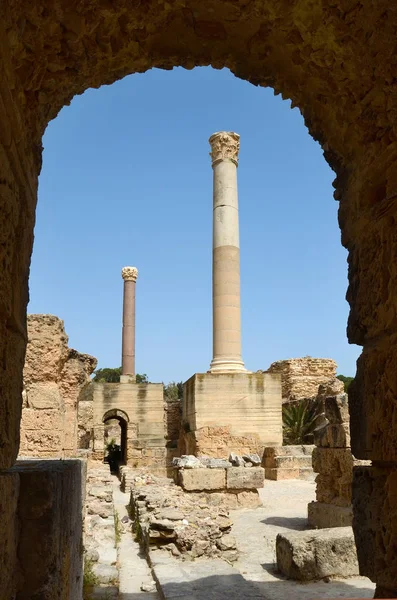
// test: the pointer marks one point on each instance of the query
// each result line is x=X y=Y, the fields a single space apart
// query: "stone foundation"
x=42 y=527
x=288 y=462
x=231 y=412
x=310 y=555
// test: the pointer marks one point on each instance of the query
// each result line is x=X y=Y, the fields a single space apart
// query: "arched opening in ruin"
x=115 y=437
x=337 y=63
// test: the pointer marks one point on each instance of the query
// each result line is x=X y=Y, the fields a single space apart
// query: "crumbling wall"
x=54 y=376
x=301 y=377
x=172 y=424
x=333 y=461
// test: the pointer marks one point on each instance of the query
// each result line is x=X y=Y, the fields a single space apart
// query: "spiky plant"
x=299 y=421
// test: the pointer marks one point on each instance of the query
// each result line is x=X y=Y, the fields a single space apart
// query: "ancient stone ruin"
x=55 y=377
x=301 y=377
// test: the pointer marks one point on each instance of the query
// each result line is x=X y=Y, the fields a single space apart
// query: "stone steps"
x=277 y=474
x=288 y=462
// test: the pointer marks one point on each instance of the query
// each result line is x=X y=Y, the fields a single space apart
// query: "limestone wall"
x=139 y=408
x=54 y=377
x=238 y=412
x=301 y=377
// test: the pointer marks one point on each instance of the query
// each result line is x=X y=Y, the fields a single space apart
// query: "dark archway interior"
x=115 y=441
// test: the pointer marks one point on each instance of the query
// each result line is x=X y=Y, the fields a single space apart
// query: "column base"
x=227 y=365
x=127 y=379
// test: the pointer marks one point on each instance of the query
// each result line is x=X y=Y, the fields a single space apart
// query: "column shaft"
x=226 y=262
x=128 y=337
x=129 y=275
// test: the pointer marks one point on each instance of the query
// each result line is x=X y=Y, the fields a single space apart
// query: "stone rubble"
x=185 y=525
x=189 y=461
x=100 y=527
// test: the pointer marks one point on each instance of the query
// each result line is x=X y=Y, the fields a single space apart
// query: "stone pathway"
x=253 y=577
x=133 y=568
x=284 y=508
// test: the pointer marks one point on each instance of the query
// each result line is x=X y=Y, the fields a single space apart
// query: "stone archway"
x=115 y=414
x=336 y=61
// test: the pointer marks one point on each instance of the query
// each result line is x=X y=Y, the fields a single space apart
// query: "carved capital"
x=129 y=273
x=225 y=145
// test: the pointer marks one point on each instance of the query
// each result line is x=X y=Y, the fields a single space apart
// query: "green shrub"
x=299 y=421
x=90 y=580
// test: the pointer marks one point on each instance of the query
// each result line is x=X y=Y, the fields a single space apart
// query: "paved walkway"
x=284 y=508
x=133 y=568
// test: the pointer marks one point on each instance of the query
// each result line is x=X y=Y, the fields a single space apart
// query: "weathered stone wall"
x=41 y=553
x=139 y=408
x=301 y=377
x=333 y=461
x=54 y=377
x=237 y=412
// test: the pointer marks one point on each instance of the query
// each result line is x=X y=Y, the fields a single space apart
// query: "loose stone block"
x=240 y=478
x=308 y=555
x=202 y=479
x=323 y=515
x=337 y=409
x=333 y=436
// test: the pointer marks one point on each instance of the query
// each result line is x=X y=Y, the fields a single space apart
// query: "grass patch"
x=117 y=527
x=90 y=580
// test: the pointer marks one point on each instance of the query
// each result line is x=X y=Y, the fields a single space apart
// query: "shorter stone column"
x=130 y=275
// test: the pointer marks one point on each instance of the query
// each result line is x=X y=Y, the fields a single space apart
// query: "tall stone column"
x=225 y=146
x=130 y=275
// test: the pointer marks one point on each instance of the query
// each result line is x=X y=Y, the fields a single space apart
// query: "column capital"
x=129 y=273
x=225 y=145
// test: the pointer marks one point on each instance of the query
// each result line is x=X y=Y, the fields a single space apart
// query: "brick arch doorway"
x=122 y=417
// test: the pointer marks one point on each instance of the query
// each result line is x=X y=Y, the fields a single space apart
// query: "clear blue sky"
x=127 y=180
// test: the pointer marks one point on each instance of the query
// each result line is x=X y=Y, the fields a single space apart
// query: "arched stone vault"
x=335 y=59
x=115 y=413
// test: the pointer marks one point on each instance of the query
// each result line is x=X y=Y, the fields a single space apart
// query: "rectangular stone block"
x=281 y=474
x=334 y=489
x=332 y=460
x=241 y=478
x=41 y=419
x=48 y=508
x=249 y=404
x=44 y=395
x=193 y=480
x=310 y=555
x=293 y=450
x=324 y=516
